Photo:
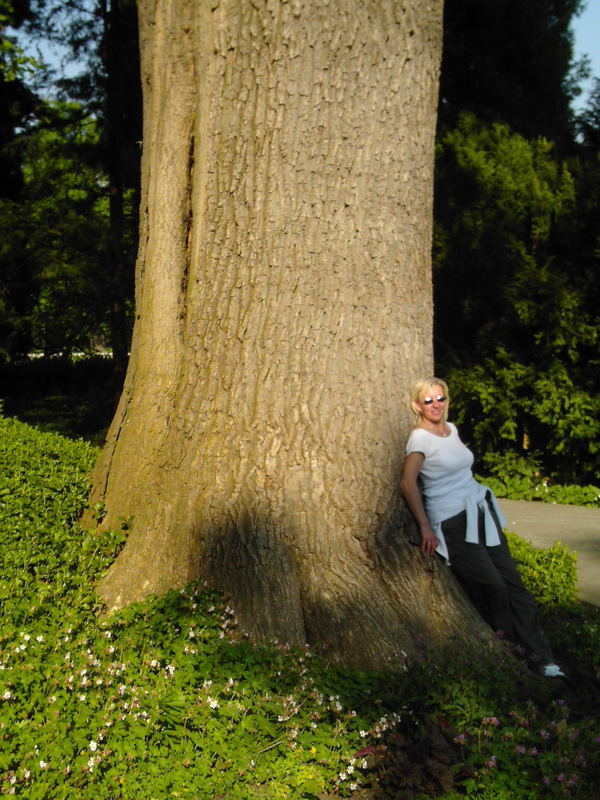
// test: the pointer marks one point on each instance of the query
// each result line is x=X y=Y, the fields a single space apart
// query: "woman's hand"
x=429 y=541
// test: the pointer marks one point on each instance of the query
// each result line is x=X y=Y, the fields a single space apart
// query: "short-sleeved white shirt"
x=446 y=471
x=449 y=486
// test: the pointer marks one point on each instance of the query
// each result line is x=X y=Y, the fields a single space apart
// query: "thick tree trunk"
x=284 y=302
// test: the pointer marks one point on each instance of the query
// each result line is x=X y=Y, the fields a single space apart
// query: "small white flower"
x=93 y=746
x=91 y=764
x=43 y=764
x=39 y=638
x=7 y=695
x=362 y=734
x=212 y=702
x=82 y=698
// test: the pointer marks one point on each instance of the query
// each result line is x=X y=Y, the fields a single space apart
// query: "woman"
x=460 y=519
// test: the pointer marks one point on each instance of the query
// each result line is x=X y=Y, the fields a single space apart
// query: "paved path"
x=542 y=524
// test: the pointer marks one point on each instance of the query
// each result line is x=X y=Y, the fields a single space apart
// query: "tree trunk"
x=284 y=310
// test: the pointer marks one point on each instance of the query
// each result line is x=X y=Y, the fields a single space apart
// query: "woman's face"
x=431 y=407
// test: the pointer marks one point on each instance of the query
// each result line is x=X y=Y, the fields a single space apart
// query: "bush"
x=520 y=477
x=550 y=574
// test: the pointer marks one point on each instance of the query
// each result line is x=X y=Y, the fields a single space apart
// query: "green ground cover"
x=168 y=700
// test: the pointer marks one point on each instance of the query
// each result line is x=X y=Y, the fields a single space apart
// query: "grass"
x=168 y=700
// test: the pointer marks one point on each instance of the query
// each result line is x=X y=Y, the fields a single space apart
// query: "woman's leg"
x=478 y=575
x=491 y=580
x=524 y=613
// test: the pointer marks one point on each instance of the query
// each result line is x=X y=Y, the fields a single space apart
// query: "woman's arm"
x=412 y=494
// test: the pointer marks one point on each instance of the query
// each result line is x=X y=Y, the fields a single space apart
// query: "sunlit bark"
x=284 y=308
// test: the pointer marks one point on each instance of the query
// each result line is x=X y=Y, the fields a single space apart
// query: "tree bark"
x=284 y=310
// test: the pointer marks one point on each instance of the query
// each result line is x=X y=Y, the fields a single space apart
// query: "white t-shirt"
x=449 y=486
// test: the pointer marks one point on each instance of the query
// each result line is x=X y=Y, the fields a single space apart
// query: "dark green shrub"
x=549 y=574
x=520 y=477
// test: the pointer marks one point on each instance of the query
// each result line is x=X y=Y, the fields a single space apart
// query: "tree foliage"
x=516 y=245
x=19 y=106
x=511 y=61
x=70 y=224
x=517 y=319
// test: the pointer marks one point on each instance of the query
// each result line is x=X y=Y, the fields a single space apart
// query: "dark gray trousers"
x=490 y=579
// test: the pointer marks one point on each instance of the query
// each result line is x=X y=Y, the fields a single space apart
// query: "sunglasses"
x=427 y=401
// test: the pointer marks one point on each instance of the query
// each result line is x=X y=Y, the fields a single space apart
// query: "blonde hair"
x=424 y=387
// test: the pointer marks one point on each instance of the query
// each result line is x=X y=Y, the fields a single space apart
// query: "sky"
x=587 y=41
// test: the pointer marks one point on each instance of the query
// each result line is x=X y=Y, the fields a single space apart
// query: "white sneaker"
x=552 y=671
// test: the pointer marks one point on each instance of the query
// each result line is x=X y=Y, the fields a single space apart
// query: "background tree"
x=284 y=309
x=516 y=318
x=19 y=105
x=103 y=34
x=511 y=61
x=524 y=328
x=66 y=211
x=106 y=97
